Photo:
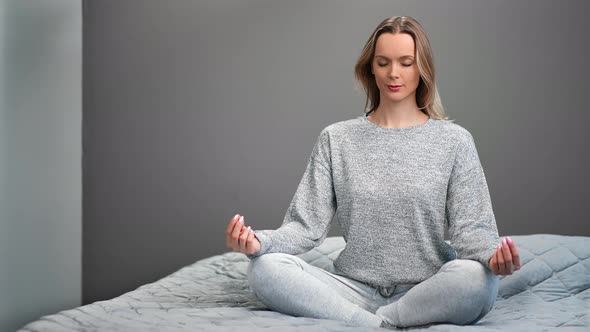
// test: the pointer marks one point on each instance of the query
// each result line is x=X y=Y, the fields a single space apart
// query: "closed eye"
x=380 y=65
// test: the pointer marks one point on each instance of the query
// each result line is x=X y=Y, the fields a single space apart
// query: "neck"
x=398 y=115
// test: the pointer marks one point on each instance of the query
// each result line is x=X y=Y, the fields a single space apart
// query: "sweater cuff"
x=484 y=258
x=265 y=243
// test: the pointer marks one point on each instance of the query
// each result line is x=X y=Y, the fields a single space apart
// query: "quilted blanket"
x=550 y=291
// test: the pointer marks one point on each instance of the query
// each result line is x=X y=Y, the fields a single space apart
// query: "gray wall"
x=197 y=110
x=40 y=159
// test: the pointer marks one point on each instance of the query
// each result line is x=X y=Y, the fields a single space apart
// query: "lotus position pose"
x=396 y=178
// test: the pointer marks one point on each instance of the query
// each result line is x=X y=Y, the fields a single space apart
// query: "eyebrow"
x=405 y=56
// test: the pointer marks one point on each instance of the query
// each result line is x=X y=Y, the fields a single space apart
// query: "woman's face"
x=394 y=63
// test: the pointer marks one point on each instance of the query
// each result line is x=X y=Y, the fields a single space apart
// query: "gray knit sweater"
x=393 y=191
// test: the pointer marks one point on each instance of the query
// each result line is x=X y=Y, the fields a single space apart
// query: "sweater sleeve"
x=308 y=217
x=472 y=224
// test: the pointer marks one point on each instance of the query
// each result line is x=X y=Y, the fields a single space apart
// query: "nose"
x=394 y=71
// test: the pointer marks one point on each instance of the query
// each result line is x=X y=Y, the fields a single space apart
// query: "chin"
x=394 y=100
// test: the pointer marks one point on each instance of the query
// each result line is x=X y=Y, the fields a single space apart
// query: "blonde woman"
x=396 y=177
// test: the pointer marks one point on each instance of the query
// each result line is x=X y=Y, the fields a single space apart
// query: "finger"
x=231 y=224
x=494 y=264
x=501 y=266
x=249 y=241
x=236 y=242
x=243 y=238
x=507 y=256
x=236 y=232
x=229 y=230
x=515 y=254
x=237 y=228
x=235 y=224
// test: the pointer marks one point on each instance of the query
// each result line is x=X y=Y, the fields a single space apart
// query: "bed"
x=550 y=291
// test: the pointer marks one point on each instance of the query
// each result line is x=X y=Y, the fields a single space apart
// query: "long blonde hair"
x=427 y=96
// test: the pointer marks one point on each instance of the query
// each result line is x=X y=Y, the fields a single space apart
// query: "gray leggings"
x=461 y=292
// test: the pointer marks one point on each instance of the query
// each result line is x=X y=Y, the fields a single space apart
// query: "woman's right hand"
x=240 y=238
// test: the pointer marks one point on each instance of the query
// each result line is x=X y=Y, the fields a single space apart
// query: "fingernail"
x=504 y=241
x=236 y=216
x=499 y=246
x=241 y=219
x=249 y=228
x=509 y=239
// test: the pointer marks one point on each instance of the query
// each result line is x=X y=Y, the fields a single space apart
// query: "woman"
x=396 y=177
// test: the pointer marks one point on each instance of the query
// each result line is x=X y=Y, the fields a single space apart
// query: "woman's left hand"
x=506 y=258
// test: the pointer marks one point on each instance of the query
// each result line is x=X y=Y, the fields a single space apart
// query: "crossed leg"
x=461 y=292
x=287 y=284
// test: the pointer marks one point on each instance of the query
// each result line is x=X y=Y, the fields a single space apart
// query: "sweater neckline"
x=378 y=128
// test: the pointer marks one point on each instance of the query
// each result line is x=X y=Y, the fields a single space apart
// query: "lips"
x=394 y=88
